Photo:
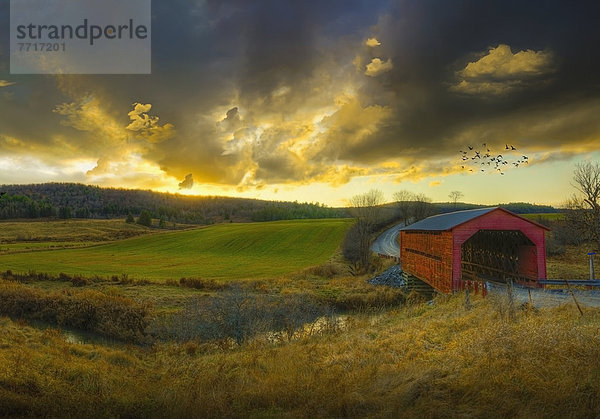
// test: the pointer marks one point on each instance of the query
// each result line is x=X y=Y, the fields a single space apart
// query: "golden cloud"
x=352 y=123
x=11 y=143
x=500 y=62
x=119 y=156
x=87 y=114
x=372 y=42
x=500 y=71
x=146 y=126
x=377 y=67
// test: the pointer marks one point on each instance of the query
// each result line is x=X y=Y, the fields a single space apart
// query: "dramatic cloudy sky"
x=320 y=100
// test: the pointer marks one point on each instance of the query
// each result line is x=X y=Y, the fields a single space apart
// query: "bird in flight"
x=470 y=153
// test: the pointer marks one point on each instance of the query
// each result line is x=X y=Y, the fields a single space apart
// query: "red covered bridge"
x=446 y=249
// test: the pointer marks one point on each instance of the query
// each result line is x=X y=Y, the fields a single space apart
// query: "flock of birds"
x=486 y=160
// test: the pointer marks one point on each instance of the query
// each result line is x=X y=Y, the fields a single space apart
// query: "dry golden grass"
x=68 y=230
x=425 y=361
x=573 y=264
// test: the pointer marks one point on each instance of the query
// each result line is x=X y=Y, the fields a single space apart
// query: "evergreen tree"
x=145 y=219
x=64 y=213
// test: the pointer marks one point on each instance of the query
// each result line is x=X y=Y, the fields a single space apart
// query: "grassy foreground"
x=224 y=251
x=426 y=361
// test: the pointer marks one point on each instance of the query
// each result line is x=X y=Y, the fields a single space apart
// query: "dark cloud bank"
x=249 y=93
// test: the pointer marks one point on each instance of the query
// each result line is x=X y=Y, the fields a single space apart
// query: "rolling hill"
x=224 y=251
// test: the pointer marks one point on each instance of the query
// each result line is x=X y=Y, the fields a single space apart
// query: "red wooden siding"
x=428 y=256
x=528 y=262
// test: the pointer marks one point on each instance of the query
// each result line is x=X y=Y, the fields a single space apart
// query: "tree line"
x=68 y=200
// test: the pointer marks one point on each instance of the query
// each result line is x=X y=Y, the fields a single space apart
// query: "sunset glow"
x=318 y=101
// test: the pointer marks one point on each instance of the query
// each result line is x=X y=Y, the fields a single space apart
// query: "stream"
x=73 y=335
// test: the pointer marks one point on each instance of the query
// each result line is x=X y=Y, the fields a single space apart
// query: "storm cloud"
x=187 y=183
x=247 y=94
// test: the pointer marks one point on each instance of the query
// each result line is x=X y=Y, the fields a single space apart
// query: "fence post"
x=467 y=299
x=511 y=300
x=573 y=295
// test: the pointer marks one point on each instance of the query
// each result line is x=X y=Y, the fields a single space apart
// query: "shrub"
x=201 y=284
x=238 y=316
x=78 y=281
x=361 y=297
x=566 y=234
x=29 y=276
x=554 y=247
x=109 y=315
x=292 y=312
x=64 y=277
x=326 y=270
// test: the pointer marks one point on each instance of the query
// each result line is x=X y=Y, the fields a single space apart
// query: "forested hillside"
x=68 y=200
x=516 y=207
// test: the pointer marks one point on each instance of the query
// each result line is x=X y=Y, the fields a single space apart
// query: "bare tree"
x=366 y=208
x=422 y=207
x=455 y=196
x=404 y=201
x=412 y=207
x=584 y=208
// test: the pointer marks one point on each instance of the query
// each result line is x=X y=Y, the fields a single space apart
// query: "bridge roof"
x=450 y=220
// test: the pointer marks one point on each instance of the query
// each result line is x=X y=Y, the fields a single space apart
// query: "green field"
x=224 y=251
x=554 y=216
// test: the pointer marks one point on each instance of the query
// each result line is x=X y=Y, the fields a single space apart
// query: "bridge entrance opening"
x=500 y=255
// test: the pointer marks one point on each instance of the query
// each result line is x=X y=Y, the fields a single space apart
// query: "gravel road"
x=387 y=242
